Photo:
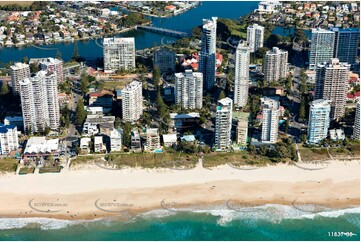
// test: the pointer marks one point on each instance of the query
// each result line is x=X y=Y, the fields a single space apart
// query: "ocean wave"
x=271 y=212
x=274 y=213
x=42 y=223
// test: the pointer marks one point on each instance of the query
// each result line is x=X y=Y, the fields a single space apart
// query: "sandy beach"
x=92 y=192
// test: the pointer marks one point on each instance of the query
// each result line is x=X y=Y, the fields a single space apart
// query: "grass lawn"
x=151 y=160
x=20 y=3
x=309 y=154
x=53 y=169
x=26 y=170
x=113 y=85
x=339 y=152
x=237 y=159
x=8 y=165
x=70 y=63
x=354 y=148
x=81 y=160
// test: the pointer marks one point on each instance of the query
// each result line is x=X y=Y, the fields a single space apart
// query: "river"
x=185 y=22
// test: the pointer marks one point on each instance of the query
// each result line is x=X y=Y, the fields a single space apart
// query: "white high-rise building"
x=331 y=84
x=270 y=119
x=207 y=56
x=322 y=47
x=356 y=126
x=18 y=72
x=223 y=124
x=319 y=120
x=52 y=65
x=118 y=53
x=39 y=102
x=255 y=37
x=8 y=139
x=189 y=89
x=132 y=101
x=241 y=82
x=275 y=64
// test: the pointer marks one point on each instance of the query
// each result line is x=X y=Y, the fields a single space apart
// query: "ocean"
x=267 y=222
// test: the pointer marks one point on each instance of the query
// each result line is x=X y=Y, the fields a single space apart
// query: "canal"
x=89 y=49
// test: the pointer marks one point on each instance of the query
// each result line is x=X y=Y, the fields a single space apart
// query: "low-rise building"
x=135 y=141
x=103 y=122
x=115 y=140
x=186 y=121
x=101 y=99
x=169 y=139
x=37 y=147
x=99 y=146
x=152 y=140
x=90 y=129
x=94 y=110
x=85 y=145
x=337 y=134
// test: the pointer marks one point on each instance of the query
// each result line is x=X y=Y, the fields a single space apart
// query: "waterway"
x=184 y=22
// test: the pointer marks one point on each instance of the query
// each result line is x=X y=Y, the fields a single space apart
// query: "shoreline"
x=70 y=41
x=96 y=193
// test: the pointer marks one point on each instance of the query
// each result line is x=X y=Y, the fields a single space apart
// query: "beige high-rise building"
x=275 y=64
x=331 y=84
x=18 y=72
x=132 y=101
x=39 y=102
x=242 y=132
x=241 y=82
x=223 y=124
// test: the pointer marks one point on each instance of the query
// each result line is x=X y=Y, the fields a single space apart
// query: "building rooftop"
x=13 y=118
x=209 y=23
x=6 y=128
x=131 y=86
x=320 y=103
x=18 y=66
x=84 y=141
x=94 y=109
x=153 y=131
x=41 y=145
x=184 y=115
x=225 y=101
x=188 y=138
x=319 y=30
x=168 y=138
x=115 y=40
x=114 y=133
